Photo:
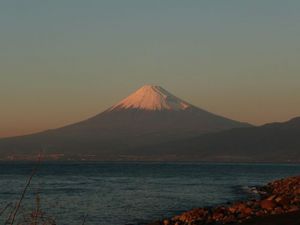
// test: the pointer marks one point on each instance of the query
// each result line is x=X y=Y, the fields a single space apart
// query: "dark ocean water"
x=130 y=193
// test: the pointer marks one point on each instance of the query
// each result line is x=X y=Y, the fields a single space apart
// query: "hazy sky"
x=62 y=61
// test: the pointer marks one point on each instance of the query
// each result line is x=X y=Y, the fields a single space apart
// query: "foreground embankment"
x=279 y=204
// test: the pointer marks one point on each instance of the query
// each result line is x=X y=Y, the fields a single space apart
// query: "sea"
x=120 y=193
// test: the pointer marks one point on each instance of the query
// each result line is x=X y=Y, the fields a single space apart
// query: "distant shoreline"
x=155 y=162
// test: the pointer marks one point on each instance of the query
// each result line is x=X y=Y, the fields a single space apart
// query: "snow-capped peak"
x=151 y=97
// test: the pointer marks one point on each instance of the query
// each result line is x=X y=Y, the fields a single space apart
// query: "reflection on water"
x=123 y=193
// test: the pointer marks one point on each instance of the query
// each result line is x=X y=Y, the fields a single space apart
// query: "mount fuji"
x=151 y=115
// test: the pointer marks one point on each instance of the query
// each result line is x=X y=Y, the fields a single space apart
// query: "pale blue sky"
x=65 y=60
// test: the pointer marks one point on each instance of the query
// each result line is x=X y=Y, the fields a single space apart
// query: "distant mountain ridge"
x=151 y=115
x=273 y=142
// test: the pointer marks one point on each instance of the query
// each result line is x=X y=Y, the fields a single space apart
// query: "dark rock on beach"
x=279 y=204
x=278 y=219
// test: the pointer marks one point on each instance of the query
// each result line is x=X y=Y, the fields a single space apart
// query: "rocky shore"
x=279 y=203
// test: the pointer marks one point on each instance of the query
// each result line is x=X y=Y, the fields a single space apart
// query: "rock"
x=166 y=222
x=283 y=201
x=297 y=191
x=192 y=215
x=278 y=197
x=271 y=198
x=267 y=204
x=237 y=207
x=217 y=216
x=293 y=208
x=229 y=219
x=247 y=211
x=260 y=213
x=278 y=210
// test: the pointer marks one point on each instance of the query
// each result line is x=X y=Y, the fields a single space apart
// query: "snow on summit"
x=152 y=97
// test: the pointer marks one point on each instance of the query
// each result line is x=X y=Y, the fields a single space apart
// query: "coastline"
x=292 y=218
x=278 y=204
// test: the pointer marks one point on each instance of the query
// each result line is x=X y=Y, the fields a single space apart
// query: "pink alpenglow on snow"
x=154 y=98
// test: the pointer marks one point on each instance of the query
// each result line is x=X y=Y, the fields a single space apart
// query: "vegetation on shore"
x=14 y=214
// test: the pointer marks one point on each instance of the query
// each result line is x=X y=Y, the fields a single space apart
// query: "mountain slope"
x=149 y=115
x=275 y=142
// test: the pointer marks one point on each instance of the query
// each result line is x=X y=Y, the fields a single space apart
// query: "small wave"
x=248 y=191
